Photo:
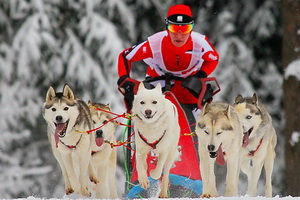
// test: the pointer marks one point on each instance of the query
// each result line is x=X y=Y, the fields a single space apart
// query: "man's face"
x=179 y=39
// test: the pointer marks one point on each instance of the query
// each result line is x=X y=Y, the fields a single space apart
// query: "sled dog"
x=156 y=127
x=220 y=139
x=259 y=142
x=64 y=115
x=104 y=157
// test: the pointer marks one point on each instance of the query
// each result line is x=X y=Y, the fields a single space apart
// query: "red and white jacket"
x=163 y=57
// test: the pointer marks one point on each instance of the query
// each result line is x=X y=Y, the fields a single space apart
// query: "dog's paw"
x=69 y=191
x=94 y=179
x=205 y=196
x=85 y=192
x=144 y=182
x=155 y=174
x=163 y=194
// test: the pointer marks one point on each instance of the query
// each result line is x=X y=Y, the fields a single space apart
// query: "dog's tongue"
x=59 y=128
x=246 y=139
x=220 y=156
x=99 y=141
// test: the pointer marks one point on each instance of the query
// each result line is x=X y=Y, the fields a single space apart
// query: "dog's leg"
x=84 y=156
x=232 y=176
x=156 y=173
x=68 y=163
x=256 y=171
x=112 y=175
x=268 y=165
x=103 y=187
x=92 y=173
x=168 y=165
x=68 y=186
x=141 y=166
x=207 y=173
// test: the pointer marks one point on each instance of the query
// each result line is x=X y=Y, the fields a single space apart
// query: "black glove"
x=193 y=84
x=208 y=96
x=128 y=87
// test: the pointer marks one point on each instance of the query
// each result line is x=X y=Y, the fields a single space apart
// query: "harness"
x=251 y=153
x=153 y=144
x=72 y=146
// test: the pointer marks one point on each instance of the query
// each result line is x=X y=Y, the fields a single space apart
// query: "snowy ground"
x=219 y=198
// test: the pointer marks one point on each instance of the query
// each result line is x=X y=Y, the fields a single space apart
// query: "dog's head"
x=60 y=111
x=148 y=104
x=215 y=128
x=101 y=116
x=249 y=114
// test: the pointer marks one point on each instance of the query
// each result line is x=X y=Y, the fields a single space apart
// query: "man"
x=180 y=52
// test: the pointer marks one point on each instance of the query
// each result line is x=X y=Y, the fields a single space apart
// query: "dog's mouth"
x=99 y=138
x=246 y=138
x=60 y=130
x=219 y=155
x=149 y=116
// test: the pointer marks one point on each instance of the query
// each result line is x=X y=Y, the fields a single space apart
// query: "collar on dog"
x=153 y=144
x=72 y=146
x=251 y=153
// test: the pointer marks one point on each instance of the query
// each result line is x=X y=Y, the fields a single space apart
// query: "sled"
x=185 y=176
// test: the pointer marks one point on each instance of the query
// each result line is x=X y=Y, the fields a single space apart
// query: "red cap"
x=180 y=9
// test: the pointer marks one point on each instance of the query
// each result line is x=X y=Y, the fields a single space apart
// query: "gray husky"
x=66 y=116
x=259 y=142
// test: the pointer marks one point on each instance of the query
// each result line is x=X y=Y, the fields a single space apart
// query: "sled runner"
x=185 y=176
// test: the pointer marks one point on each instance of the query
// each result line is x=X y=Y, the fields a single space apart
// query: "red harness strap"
x=72 y=146
x=153 y=144
x=251 y=153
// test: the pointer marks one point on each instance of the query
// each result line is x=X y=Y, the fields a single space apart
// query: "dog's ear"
x=68 y=93
x=89 y=102
x=107 y=106
x=141 y=86
x=204 y=109
x=227 y=111
x=254 y=99
x=50 y=94
x=158 y=87
x=238 y=99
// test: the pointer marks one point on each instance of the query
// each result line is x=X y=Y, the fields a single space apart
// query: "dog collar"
x=72 y=146
x=251 y=153
x=153 y=144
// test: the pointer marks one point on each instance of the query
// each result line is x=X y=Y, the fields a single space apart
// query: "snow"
x=294 y=138
x=293 y=69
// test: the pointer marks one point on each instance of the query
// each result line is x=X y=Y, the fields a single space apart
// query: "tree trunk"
x=291 y=89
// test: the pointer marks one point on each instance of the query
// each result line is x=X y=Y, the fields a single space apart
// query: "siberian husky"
x=104 y=157
x=258 y=143
x=64 y=115
x=220 y=139
x=156 y=127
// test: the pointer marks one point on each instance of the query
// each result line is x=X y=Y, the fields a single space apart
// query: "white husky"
x=64 y=115
x=156 y=127
x=220 y=139
x=258 y=144
x=104 y=157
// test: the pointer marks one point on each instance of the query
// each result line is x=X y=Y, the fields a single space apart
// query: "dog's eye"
x=248 y=117
x=94 y=122
x=206 y=132
x=142 y=102
x=154 y=102
x=66 y=108
x=219 y=133
x=53 y=109
x=105 y=121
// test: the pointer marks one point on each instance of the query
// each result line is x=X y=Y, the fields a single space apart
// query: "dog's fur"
x=258 y=144
x=104 y=157
x=220 y=139
x=64 y=115
x=156 y=121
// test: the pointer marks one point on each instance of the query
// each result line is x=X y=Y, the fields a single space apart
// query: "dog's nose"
x=99 y=133
x=148 y=112
x=59 y=118
x=211 y=147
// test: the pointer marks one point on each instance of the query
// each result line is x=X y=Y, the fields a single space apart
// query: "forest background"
x=53 y=42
